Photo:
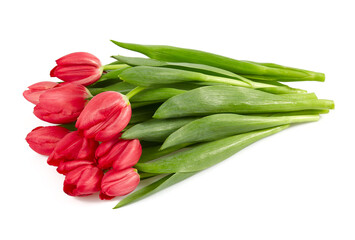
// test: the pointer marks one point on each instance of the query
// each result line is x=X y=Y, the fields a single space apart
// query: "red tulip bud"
x=118 y=153
x=83 y=181
x=35 y=90
x=79 y=67
x=118 y=183
x=44 y=139
x=73 y=147
x=105 y=116
x=62 y=104
x=66 y=166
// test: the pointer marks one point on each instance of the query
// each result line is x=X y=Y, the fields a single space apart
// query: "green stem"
x=134 y=92
x=113 y=67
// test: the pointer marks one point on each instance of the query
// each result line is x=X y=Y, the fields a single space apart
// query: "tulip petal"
x=66 y=166
x=35 y=90
x=105 y=147
x=62 y=104
x=112 y=128
x=73 y=147
x=83 y=181
x=105 y=116
x=90 y=181
x=113 y=155
x=129 y=156
x=99 y=108
x=119 y=183
x=44 y=139
x=79 y=58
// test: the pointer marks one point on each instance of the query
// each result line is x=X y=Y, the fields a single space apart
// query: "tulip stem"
x=134 y=91
x=113 y=67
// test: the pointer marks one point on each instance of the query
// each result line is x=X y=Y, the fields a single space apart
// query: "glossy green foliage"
x=146 y=76
x=154 y=152
x=155 y=130
x=134 y=61
x=156 y=95
x=205 y=155
x=142 y=114
x=117 y=86
x=175 y=54
x=230 y=99
x=219 y=126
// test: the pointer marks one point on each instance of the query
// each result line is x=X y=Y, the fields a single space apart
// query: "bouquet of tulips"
x=168 y=116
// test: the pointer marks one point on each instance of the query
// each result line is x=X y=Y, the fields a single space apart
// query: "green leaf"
x=143 y=113
x=205 y=155
x=156 y=94
x=135 y=61
x=153 y=152
x=230 y=99
x=146 y=76
x=219 y=126
x=175 y=54
x=155 y=130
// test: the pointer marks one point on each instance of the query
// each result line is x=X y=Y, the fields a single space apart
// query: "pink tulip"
x=73 y=147
x=62 y=104
x=118 y=153
x=44 y=139
x=118 y=183
x=105 y=116
x=79 y=67
x=83 y=181
x=67 y=166
x=35 y=90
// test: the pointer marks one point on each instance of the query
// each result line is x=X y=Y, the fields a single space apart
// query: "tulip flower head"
x=105 y=116
x=118 y=183
x=67 y=166
x=44 y=139
x=73 y=147
x=118 y=154
x=83 y=181
x=79 y=67
x=35 y=90
x=62 y=104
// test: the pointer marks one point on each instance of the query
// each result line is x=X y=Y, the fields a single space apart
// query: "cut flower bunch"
x=163 y=118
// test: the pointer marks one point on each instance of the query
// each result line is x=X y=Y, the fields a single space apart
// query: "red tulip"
x=118 y=183
x=118 y=153
x=73 y=147
x=43 y=139
x=105 y=116
x=83 y=181
x=79 y=67
x=35 y=90
x=62 y=104
x=67 y=166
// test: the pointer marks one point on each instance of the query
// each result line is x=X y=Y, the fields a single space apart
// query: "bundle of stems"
x=193 y=109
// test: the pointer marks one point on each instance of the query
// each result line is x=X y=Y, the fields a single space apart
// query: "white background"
x=298 y=184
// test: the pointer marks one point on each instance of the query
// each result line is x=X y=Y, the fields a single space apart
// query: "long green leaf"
x=142 y=114
x=147 y=76
x=219 y=126
x=135 y=61
x=205 y=155
x=175 y=54
x=230 y=99
x=155 y=130
x=156 y=94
